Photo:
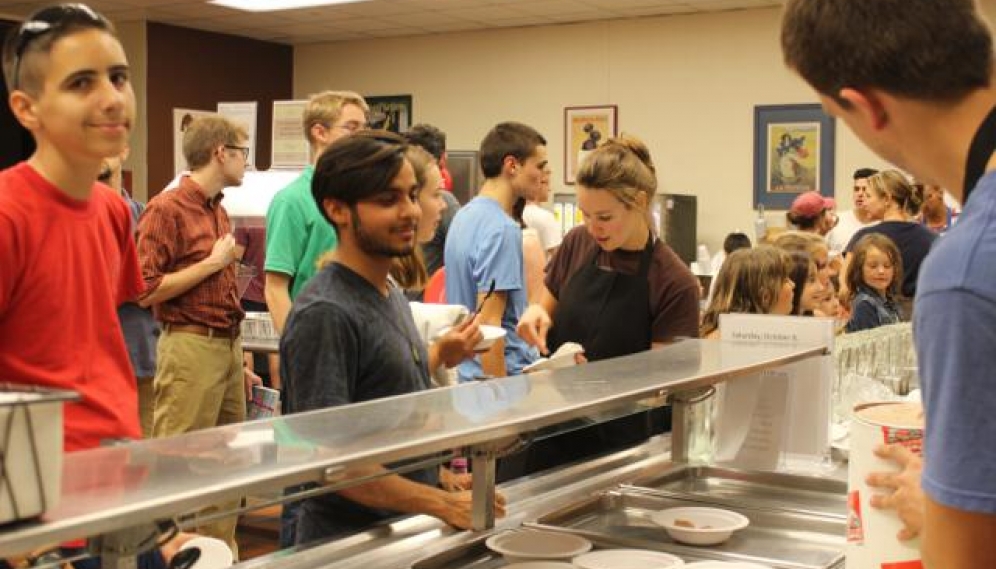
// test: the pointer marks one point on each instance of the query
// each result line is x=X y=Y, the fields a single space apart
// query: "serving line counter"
x=120 y=496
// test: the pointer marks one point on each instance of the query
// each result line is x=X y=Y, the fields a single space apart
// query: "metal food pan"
x=780 y=539
x=728 y=487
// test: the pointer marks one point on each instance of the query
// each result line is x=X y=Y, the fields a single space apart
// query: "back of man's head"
x=205 y=135
x=428 y=137
x=735 y=241
x=325 y=108
x=864 y=173
x=930 y=50
x=357 y=167
x=26 y=45
x=508 y=139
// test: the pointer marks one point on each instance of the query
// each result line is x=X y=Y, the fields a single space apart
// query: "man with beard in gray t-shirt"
x=350 y=336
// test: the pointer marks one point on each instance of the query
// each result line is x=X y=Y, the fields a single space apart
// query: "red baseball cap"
x=811 y=204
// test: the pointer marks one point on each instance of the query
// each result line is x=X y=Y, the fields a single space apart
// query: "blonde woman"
x=752 y=281
x=410 y=272
x=615 y=288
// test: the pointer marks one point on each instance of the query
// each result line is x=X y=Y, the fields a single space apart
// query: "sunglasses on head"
x=51 y=20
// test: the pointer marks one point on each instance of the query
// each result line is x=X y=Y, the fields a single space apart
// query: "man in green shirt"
x=296 y=233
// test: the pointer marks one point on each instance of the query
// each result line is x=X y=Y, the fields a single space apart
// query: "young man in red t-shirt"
x=67 y=256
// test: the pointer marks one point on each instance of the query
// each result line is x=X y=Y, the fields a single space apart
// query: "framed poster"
x=289 y=147
x=585 y=128
x=393 y=112
x=793 y=153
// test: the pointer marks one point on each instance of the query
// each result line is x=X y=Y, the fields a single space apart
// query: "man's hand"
x=453 y=482
x=224 y=251
x=534 y=326
x=251 y=379
x=458 y=343
x=459 y=505
x=906 y=495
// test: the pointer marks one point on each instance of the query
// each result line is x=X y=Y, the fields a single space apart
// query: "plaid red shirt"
x=178 y=229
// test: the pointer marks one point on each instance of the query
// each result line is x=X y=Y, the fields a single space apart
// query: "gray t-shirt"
x=346 y=343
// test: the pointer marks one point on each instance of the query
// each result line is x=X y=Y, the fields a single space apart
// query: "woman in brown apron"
x=615 y=288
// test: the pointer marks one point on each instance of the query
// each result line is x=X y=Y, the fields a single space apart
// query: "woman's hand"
x=533 y=327
x=458 y=343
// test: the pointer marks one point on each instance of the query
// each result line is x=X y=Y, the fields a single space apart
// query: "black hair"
x=736 y=241
x=428 y=137
x=357 y=167
x=862 y=173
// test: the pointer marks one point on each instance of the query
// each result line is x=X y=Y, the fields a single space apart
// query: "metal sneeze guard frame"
x=115 y=490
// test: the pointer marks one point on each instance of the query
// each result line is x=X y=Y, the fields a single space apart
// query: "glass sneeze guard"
x=109 y=489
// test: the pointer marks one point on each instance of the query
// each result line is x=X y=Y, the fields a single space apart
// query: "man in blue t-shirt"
x=920 y=104
x=483 y=252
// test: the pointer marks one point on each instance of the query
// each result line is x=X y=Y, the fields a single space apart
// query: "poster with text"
x=289 y=146
x=585 y=129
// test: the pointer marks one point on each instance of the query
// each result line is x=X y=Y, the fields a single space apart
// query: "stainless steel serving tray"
x=763 y=490
x=780 y=539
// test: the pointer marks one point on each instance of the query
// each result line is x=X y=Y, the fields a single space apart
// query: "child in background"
x=835 y=306
x=733 y=242
x=809 y=291
x=752 y=281
x=873 y=279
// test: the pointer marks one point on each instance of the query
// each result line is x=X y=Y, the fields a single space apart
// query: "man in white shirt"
x=849 y=222
x=542 y=220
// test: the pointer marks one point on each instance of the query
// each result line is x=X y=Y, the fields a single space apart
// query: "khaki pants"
x=146 y=405
x=199 y=384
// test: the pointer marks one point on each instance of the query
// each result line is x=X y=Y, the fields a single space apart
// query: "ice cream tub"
x=871 y=533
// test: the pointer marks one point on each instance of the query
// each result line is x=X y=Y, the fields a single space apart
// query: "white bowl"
x=491 y=335
x=215 y=554
x=627 y=559
x=531 y=545
x=724 y=565
x=540 y=565
x=709 y=526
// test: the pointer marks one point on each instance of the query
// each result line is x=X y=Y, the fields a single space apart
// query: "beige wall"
x=687 y=85
x=133 y=38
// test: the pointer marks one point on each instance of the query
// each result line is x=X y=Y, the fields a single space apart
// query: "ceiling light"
x=276 y=5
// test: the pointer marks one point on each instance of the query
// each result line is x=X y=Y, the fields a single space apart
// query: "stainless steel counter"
x=801 y=527
x=403 y=543
x=118 y=488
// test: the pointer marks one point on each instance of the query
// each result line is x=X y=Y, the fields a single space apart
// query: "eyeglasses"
x=244 y=149
x=51 y=20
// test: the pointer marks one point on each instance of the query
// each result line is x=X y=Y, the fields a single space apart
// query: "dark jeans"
x=289 y=516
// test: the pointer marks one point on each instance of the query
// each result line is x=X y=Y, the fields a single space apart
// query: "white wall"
x=687 y=85
x=133 y=38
